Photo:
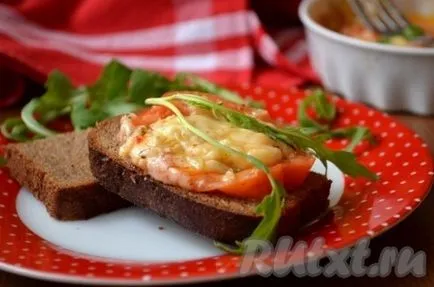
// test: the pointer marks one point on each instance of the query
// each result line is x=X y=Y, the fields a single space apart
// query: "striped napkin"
x=221 y=40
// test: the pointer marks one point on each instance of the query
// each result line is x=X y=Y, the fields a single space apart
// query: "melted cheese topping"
x=167 y=143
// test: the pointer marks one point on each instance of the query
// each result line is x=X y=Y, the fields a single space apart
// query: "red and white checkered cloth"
x=214 y=38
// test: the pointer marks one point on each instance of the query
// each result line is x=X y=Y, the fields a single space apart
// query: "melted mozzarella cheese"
x=169 y=143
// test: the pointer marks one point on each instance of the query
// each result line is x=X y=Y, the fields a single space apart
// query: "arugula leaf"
x=115 y=108
x=356 y=134
x=27 y=115
x=305 y=121
x=292 y=136
x=324 y=108
x=15 y=129
x=270 y=207
x=112 y=84
x=198 y=83
x=59 y=91
x=3 y=161
x=83 y=117
x=146 y=84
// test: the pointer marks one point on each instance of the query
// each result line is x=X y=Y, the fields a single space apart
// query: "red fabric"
x=214 y=38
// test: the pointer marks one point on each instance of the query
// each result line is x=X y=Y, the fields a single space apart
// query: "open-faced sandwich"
x=220 y=169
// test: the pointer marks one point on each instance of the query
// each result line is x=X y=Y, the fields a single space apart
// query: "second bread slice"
x=56 y=170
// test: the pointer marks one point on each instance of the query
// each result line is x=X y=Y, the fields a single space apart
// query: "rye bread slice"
x=56 y=170
x=213 y=215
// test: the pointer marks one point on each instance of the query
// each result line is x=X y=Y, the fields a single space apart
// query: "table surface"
x=417 y=231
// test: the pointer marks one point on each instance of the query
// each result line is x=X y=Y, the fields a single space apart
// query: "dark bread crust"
x=66 y=187
x=213 y=215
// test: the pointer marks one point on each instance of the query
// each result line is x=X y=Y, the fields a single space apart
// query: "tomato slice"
x=296 y=171
x=253 y=183
x=156 y=113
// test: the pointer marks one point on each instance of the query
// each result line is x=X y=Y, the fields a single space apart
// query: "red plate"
x=366 y=208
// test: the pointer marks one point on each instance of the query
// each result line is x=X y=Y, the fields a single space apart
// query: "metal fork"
x=383 y=17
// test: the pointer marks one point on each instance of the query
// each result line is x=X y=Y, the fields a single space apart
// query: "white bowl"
x=391 y=78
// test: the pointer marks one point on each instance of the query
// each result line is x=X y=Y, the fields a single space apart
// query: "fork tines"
x=381 y=16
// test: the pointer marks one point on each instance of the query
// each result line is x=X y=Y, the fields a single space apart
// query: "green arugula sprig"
x=119 y=90
x=270 y=207
x=326 y=113
x=293 y=136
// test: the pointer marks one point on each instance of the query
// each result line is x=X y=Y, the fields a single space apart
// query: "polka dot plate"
x=35 y=245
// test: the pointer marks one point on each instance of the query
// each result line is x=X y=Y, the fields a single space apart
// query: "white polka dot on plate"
x=275 y=107
x=289 y=111
x=271 y=94
x=147 y=278
x=258 y=90
x=221 y=270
